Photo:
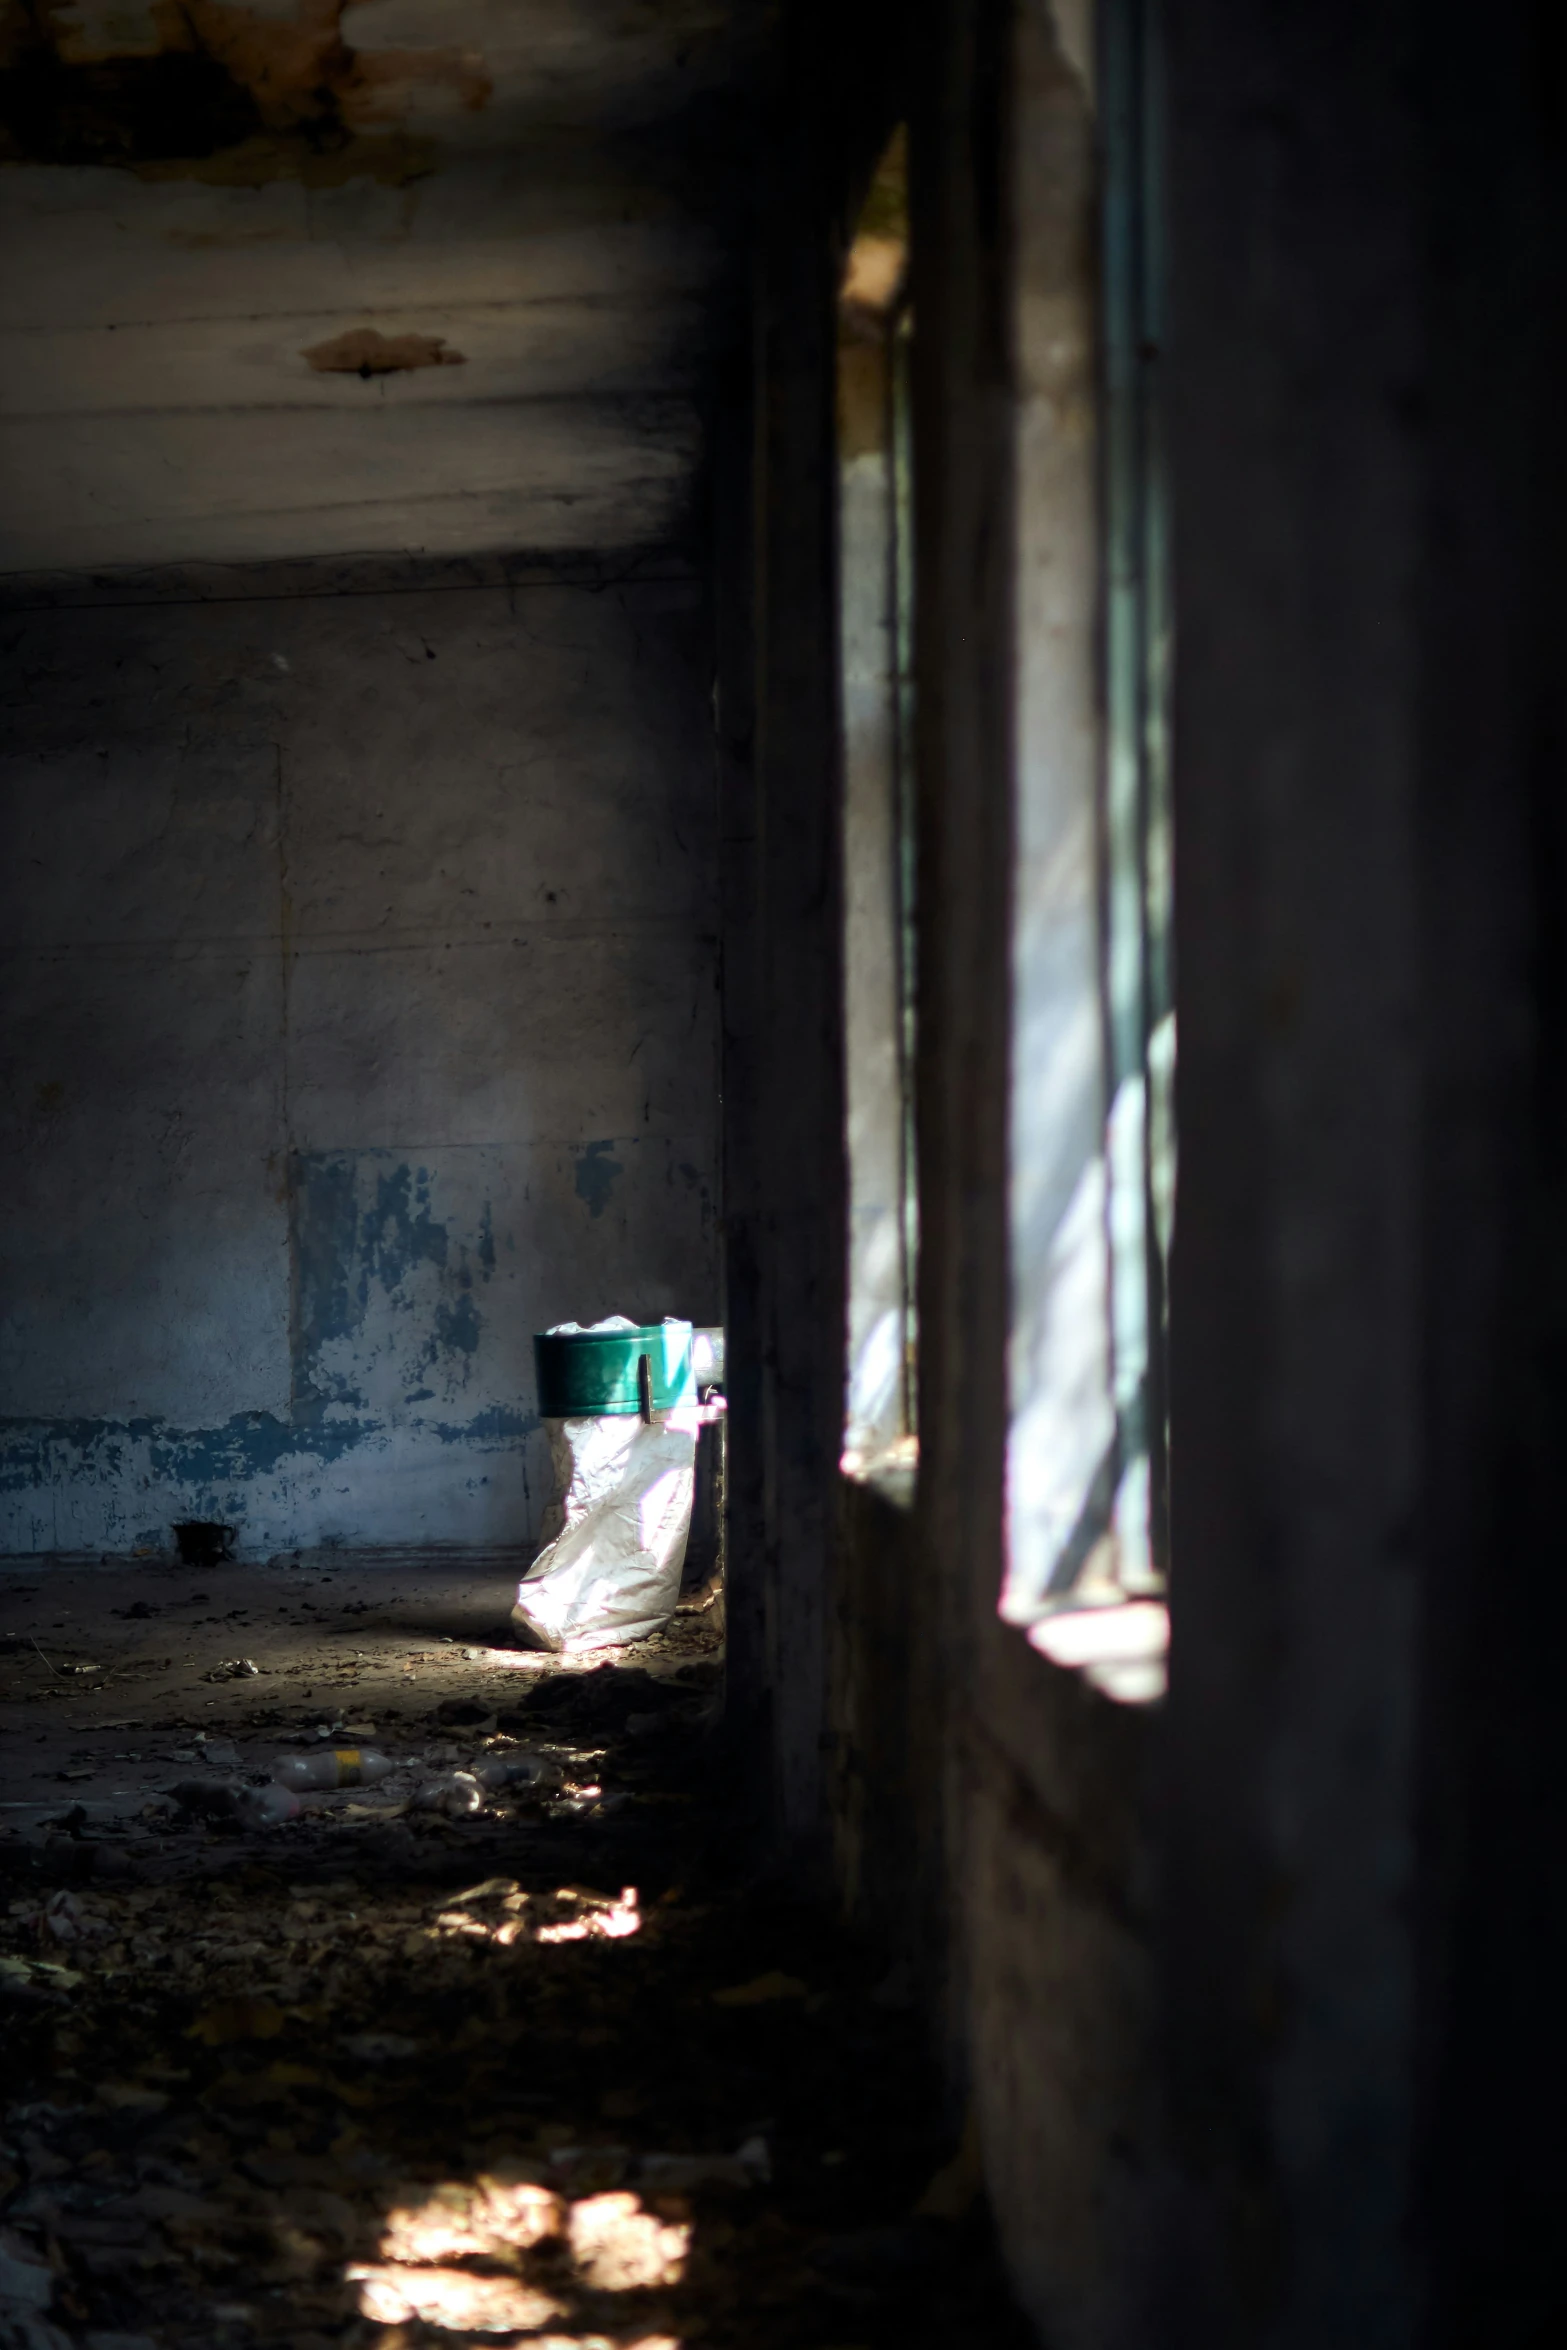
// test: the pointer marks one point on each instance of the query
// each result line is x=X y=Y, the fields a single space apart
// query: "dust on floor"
x=560 y=2070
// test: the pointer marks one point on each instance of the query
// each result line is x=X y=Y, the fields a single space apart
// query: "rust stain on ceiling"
x=364 y=351
x=216 y=90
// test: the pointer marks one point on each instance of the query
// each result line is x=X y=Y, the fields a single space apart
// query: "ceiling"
x=325 y=277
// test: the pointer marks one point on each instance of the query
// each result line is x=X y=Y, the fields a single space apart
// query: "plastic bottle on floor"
x=339 y=1766
x=219 y=1801
x=515 y=1770
x=456 y=1793
x=265 y=1807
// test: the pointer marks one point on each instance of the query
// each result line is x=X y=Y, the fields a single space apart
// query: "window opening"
x=1139 y=933
x=876 y=618
x=1092 y=1146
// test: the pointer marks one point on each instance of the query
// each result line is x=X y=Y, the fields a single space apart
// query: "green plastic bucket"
x=592 y=1374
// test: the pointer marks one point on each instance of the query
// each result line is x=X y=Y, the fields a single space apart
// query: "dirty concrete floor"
x=563 y=2071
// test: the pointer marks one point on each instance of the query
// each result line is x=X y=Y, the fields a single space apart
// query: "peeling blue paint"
x=457 y=1326
x=250 y=1445
x=402 y=1233
x=595 y=1175
x=35 y=1453
x=254 y=1471
x=500 y=1425
x=388 y=1341
x=368 y=1239
x=323 y=1230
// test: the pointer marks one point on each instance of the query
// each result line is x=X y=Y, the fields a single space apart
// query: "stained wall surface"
x=360 y=962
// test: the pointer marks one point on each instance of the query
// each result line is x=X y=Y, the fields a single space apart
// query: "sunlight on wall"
x=876 y=579
x=1092 y=1141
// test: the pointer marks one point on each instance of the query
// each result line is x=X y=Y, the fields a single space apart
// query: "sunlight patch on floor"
x=499 y=1911
x=606 y=2243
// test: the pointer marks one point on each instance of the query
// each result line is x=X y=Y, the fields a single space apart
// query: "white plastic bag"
x=613 y=1573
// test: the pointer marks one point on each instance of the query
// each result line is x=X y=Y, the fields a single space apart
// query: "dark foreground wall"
x=360 y=973
x=1254 y=1998
x=1365 y=1784
x=982 y=1813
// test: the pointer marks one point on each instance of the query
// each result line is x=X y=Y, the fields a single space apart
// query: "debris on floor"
x=535 y=2066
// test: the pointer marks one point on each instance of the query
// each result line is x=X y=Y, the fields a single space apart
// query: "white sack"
x=590 y=1329
x=613 y=1573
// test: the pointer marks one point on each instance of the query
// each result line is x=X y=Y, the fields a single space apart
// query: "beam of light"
x=609 y=1924
x=610 y=2241
x=1123 y=1648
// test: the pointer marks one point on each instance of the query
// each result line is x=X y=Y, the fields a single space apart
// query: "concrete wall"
x=1162 y=1952
x=1255 y=1998
x=982 y=1813
x=1037 y=1936
x=785 y=1177
x=1365 y=1780
x=360 y=966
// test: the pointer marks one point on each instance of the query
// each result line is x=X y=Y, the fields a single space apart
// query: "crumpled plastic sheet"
x=613 y=1572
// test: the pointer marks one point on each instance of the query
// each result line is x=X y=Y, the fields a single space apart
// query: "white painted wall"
x=360 y=958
